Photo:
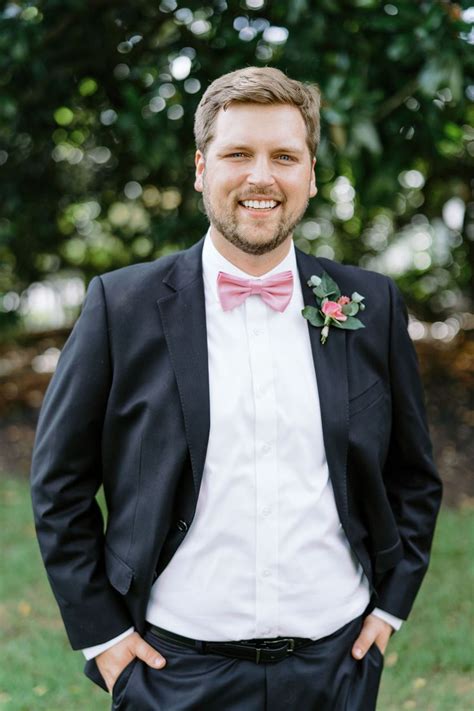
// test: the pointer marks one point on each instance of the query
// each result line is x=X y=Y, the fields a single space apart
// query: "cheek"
x=296 y=187
x=225 y=187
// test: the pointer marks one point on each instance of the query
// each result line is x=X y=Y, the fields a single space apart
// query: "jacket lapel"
x=331 y=376
x=183 y=314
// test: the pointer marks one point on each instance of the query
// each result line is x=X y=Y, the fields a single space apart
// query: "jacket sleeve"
x=66 y=474
x=412 y=483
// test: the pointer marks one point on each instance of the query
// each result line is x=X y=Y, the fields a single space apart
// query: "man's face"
x=257 y=175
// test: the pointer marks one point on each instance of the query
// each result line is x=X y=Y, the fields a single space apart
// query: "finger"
x=365 y=640
x=112 y=662
x=150 y=656
x=382 y=640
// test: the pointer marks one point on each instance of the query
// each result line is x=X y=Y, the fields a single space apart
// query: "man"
x=268 y=494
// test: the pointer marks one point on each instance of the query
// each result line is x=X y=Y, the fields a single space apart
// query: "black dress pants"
x=320 y=677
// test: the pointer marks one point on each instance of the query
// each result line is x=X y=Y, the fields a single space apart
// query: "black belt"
x=254 y=650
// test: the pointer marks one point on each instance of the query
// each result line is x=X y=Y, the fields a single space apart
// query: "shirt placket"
x=266 y=469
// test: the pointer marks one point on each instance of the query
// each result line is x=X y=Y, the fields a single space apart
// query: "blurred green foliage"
x=96 y=144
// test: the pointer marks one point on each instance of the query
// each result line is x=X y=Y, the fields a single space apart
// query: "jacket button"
x=182 y=525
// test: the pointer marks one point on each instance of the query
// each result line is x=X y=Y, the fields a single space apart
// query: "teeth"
x=259 y=204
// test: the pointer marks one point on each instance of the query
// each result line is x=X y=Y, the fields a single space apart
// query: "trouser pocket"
x=121 y=685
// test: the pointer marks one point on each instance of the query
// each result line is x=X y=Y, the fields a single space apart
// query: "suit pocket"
x=119 y=573
x=365 y=682
x=122 y=683
x=377 y=653
x=367 y=398
x=91 y=670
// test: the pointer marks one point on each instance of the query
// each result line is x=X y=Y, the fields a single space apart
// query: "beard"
x=225 y=220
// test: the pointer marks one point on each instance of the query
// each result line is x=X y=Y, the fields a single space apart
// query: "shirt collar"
x=213 y=262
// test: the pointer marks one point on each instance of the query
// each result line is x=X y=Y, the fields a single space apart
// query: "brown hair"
x=257 y=85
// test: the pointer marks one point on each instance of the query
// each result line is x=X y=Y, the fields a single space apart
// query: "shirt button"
x=267 y=573
x=266 y=510
x=257 y=331
x=260 y=392
x=266 y=448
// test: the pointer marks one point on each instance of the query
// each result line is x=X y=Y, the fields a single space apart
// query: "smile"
x=259 y=204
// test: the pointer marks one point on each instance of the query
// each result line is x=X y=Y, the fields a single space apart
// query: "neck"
x=252 y=264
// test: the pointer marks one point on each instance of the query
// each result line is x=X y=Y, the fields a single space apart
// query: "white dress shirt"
x=265 y=555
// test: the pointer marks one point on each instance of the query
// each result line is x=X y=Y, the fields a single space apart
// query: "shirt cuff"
x=91 y=652
x=395 y=622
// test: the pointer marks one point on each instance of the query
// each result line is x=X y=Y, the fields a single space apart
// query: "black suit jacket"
x=128 y=408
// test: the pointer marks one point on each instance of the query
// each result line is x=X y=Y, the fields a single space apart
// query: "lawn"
x=428 y=664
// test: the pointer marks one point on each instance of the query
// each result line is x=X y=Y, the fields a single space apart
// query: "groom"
x=271 y=499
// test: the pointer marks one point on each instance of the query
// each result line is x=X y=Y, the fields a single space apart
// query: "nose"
x=261 y=172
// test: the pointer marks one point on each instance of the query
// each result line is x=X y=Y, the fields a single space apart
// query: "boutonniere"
x=333 y=308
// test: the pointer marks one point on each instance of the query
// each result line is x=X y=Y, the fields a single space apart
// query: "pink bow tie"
x=275 y=290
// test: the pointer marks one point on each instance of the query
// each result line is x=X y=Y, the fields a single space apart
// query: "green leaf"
x=455 y=78
x=330 y=287
x=432 y=75
x=350 y=309
x=333 y=117
x=313 y=316
x=295 y=10
x=365 y=135
x=353 y=323
x=357 y=297
x=319 y=292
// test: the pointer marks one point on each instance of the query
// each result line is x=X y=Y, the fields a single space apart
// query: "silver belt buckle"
x=290 y=647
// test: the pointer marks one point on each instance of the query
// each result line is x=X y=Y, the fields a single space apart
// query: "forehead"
x=263 y=124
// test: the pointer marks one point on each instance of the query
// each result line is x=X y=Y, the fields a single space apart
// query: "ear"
x=200 y=163
x=312 y=185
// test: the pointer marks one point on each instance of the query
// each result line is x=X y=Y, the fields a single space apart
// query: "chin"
x=257 y=246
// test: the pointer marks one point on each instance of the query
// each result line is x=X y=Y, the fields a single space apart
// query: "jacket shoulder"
x=142 y=273
x=354 y=273
x=128 y=288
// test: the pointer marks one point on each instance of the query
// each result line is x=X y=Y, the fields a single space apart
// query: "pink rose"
x=343 y=300
x=333 y=309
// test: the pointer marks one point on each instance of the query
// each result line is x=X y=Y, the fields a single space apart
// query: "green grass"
x=428 y=663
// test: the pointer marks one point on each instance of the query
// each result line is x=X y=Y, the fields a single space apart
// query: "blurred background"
x=96 y=172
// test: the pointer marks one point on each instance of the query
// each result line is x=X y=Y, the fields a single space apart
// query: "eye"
x=237 y=154
x=286 y=158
